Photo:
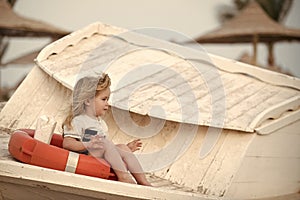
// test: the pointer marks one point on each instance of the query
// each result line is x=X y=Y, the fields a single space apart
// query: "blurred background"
x=26 y=26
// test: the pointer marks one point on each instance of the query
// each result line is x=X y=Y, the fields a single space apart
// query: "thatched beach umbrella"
x=251 y=25
x=27 y=58
x=14 y=25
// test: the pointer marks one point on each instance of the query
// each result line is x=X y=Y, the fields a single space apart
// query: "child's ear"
x=87 y=102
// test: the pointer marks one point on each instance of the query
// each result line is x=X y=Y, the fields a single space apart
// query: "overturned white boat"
x=212 y=128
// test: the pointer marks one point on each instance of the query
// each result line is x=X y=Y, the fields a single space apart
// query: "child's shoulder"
x=80 y=118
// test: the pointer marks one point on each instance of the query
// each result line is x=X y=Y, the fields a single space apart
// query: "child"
x=85 y=131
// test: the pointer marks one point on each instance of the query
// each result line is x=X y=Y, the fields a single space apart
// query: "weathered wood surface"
x=216 y=97
x=271 y=165
x=146 y=72
x=23 y=181
x=38 y=95
x=46 y=183
x=211 y=175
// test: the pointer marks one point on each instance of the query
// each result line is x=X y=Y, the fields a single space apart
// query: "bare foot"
x=146 y=183
x=126 y=178
x=141 y=179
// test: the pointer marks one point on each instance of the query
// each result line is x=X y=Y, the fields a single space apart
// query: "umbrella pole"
x=271 y=55
x=255 y=40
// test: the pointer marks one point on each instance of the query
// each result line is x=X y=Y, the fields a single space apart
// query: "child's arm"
x=72 y=144
x=75 y=145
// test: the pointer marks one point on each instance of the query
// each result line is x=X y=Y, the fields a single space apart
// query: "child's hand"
x=135 y=145
x=96 y=142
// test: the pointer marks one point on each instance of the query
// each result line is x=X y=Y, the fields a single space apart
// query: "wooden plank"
x=4 y=139
x=276 y=124
x=189 y=169
x=276 y=110
x=263 y=191
x=246 y=98
x=57 y=106
x=38 y=95
x=292 y=128
x=226 y=163
x=16 y=106
x=291 y=196
x=267 y=169
x=91 y=187
x=151 y=76
x=41 y=94
x=284 y=142
x=271 y=77
x=270 y=166
x=85 y=55
x=62 y=106
x=75 y=37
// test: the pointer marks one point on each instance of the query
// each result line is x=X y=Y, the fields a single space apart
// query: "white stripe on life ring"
x=72 y=162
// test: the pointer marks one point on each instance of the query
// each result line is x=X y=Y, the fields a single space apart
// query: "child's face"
x=101 y=102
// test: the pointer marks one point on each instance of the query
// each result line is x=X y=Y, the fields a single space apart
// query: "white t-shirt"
x=84 y=127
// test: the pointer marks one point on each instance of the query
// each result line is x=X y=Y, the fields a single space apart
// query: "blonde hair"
x=85 y=88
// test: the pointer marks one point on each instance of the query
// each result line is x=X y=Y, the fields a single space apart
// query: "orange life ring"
x=23 y=147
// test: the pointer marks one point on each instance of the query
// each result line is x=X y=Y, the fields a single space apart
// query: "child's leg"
x=112 y=155
x=133 y=164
